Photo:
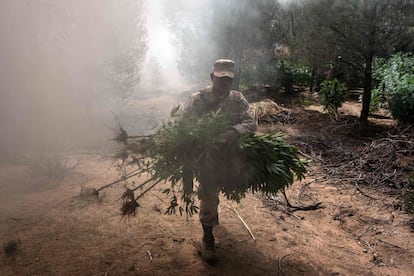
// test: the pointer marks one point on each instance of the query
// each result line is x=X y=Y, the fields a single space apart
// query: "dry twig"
x=149 y=255
x=242 y=220
x=310 y=157
x=362 y=192
x=393 y=244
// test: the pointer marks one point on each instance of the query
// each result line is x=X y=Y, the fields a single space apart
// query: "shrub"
x=395 y=77
x=402 y=102
x=333 y=93
x=304 y=102
x=377 y=100
x=300 y=75
x=408 y=196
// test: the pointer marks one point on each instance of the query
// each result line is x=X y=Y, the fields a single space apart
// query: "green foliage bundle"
x=272 y=165
x=187 y=144
x=394 y=78
x=182 y=141
x=333 y=94
x=165 y=154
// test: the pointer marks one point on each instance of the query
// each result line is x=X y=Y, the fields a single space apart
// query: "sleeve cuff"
x=239 y=128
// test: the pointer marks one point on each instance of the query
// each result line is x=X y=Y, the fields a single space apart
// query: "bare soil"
x=360 y=230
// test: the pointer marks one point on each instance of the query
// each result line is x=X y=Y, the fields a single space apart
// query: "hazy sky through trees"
x=160 y=45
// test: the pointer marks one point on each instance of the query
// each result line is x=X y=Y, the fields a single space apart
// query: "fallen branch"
x=362 y=192
x=292 y=214
x=392 y=244
x=293 y=208
x=242 y=220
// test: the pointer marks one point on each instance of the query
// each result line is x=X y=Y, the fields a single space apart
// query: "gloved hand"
x=227 y=136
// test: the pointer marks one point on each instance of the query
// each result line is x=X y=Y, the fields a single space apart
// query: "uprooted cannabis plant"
x=185 y=148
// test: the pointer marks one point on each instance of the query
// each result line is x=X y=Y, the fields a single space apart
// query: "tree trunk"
x=366 y=99
x=312 y=79
x=371 y=16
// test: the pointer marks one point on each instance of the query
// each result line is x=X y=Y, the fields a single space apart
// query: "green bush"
x=395 y=77
x=377 y=100
x=402 y=101
x=333 y=93
x=303 y=101
x=300 y=75
x=408 y=197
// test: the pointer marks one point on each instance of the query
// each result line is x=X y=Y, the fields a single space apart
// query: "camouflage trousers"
x=216 y=169
x=208 y=194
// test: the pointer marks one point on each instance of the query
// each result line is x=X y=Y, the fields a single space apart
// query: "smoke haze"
x=52 y=57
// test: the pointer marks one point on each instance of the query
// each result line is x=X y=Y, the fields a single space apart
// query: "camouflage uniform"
x=236 y=107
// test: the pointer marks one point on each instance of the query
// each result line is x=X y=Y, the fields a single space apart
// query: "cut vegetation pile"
x=185 y=148
x=268 y=111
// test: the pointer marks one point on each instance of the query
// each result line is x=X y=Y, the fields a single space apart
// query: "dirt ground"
x=359 y=231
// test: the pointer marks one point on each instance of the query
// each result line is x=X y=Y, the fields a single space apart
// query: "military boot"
x=208 y=251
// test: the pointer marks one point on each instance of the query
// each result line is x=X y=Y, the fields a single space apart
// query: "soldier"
x=219 y=96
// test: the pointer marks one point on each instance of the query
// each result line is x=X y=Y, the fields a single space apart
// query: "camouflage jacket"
x=235 y=105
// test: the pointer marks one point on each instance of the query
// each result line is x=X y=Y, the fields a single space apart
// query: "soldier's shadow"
x=242 y=256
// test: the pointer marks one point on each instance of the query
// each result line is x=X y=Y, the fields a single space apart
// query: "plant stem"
x=127 y=176
x=148 y=189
